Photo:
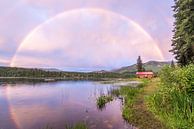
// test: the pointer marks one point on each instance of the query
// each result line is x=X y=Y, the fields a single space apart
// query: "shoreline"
x=54 y=79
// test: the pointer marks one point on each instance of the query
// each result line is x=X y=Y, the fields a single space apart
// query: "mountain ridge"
x=154 y=66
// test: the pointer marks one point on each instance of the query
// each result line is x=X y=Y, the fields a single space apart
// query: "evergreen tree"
x=139 y=64
x=183 y=38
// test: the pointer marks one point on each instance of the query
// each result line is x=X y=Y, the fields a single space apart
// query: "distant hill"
x=101 y=71
x=51 y=69
x=154 y=66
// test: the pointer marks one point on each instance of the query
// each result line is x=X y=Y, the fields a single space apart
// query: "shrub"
x=174 y=102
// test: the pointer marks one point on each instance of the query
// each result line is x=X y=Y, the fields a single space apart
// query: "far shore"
x=52 y=79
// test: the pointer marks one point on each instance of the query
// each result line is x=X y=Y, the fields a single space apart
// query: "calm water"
x=34 y=106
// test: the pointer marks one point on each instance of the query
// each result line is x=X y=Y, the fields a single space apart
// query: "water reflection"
x=33 y=106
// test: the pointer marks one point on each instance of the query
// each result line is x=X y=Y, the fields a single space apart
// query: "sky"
x=84 y=35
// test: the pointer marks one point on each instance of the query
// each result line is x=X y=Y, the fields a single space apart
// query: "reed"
x=103 y=100
x=80 y=125
x=77 y=126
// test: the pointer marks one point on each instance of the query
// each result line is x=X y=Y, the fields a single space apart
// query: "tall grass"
x=77 y=126
x=103 y=100
x=174 y=102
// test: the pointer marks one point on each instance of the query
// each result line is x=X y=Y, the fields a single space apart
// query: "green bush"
x=174 y=102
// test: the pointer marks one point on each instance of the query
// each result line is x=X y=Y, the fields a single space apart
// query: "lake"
x=56 y=104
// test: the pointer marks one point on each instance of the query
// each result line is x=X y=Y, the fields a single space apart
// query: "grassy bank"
x=134 y=109
x=127 y=93
x=173 y=103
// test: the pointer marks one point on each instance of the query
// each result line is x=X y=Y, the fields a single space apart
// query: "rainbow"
x=65 y=14
x=74 y=12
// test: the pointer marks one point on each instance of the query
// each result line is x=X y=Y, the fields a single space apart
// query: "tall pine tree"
x=139 y=65
x=183 y=38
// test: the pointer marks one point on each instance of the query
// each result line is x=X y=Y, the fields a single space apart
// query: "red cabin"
x=145 y=74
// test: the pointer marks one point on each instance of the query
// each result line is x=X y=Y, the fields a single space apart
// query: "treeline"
x=24 y=72
x=39 y=73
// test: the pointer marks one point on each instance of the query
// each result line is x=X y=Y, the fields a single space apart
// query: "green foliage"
x=140 y=65
x=129 y=95
x=145 y=82
x=127 y=112
x=174 y=102
x=183 y=39
x=103 y=100
x=77 y=126
x=179 y=79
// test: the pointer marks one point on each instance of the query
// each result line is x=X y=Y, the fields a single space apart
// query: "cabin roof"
x=144 y=73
